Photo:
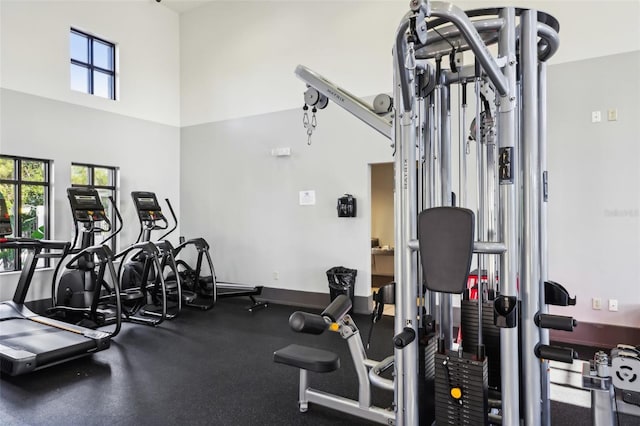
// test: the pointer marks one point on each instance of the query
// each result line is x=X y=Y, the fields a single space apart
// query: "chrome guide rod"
x=462 y=146
x=446 y=188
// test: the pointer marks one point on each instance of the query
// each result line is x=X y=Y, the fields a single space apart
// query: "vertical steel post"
x=508 y=214
x=406 y=259
x=398 y=271
x=544 y=257
x=491 y=202
x=531 y=218
x=410 y=233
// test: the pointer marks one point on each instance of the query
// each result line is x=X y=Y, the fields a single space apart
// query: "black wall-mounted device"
x=347 y=206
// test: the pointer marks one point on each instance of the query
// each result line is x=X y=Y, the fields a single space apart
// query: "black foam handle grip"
x=555 y=322
x=304 y=322
x=338 y=308
x=556 y=353
x=403 y=338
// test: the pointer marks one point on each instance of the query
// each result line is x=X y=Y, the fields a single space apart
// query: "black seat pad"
x=446 y=236
x=307 y=358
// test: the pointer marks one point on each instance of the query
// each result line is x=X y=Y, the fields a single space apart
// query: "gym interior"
x=209 y=214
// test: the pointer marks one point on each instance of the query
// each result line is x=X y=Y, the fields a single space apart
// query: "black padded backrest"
x=446 y=236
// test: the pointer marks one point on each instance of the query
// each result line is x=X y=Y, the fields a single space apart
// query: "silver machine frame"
x=368 y=372
x=511 y=213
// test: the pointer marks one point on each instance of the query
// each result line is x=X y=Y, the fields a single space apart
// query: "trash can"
x=342 y=281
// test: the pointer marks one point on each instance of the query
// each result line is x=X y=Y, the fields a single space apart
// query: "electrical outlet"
x=276 y=275
x=596 y=303
x=612 y=114
x=613 y=305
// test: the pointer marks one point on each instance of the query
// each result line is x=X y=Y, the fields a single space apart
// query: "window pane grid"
x=94 y=73
x=26 y=192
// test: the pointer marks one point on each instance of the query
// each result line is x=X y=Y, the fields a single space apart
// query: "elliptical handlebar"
x=145 y=246
x=175 y=220
x=119 y=221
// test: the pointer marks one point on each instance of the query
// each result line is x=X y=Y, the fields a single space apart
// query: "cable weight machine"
x=505 y=85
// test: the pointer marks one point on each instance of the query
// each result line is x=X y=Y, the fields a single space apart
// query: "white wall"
x=238 y=58
x=41 y=117
x=34 y=53
x=245 y=201
x=594 y=185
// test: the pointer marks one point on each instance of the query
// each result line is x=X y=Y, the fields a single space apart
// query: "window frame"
x=90 y=65
x=17 y=182
x=91 y=185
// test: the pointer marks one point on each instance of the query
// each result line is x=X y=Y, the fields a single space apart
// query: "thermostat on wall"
x=307 y=198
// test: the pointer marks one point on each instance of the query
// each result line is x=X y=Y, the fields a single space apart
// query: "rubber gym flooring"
x=202 y=368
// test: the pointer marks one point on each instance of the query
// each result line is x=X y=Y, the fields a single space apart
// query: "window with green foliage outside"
x=24 y=184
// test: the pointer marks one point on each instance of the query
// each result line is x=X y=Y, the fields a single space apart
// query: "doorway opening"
x=382 y=224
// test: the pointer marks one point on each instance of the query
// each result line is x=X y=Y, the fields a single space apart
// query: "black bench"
x=307 y=358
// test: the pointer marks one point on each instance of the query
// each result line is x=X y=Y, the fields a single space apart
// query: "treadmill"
x=28 y=341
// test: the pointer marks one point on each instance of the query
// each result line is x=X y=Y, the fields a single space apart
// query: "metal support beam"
x=346 y=100
x=508 y=218
x=530 y=278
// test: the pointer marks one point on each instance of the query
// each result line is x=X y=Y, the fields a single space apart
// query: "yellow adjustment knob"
x=334 y=326
x=456 y=393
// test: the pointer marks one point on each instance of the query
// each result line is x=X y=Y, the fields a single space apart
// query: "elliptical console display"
x=86 y=205
x=147 y=206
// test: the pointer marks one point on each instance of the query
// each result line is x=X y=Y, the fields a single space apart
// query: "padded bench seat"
x=307 y=358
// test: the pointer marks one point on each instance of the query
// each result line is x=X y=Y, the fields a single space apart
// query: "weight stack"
x=461 y=391
x=427 y=350
x=490 y=336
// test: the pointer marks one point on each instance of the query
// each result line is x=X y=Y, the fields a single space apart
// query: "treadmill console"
x=147 y=206
x=5 y=218
x=86 y=205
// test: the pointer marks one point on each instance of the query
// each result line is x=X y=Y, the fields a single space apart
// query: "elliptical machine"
x=83 y=296
x=206 y=289
x=143 y=271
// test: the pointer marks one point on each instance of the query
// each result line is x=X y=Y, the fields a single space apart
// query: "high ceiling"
x=181 y=6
